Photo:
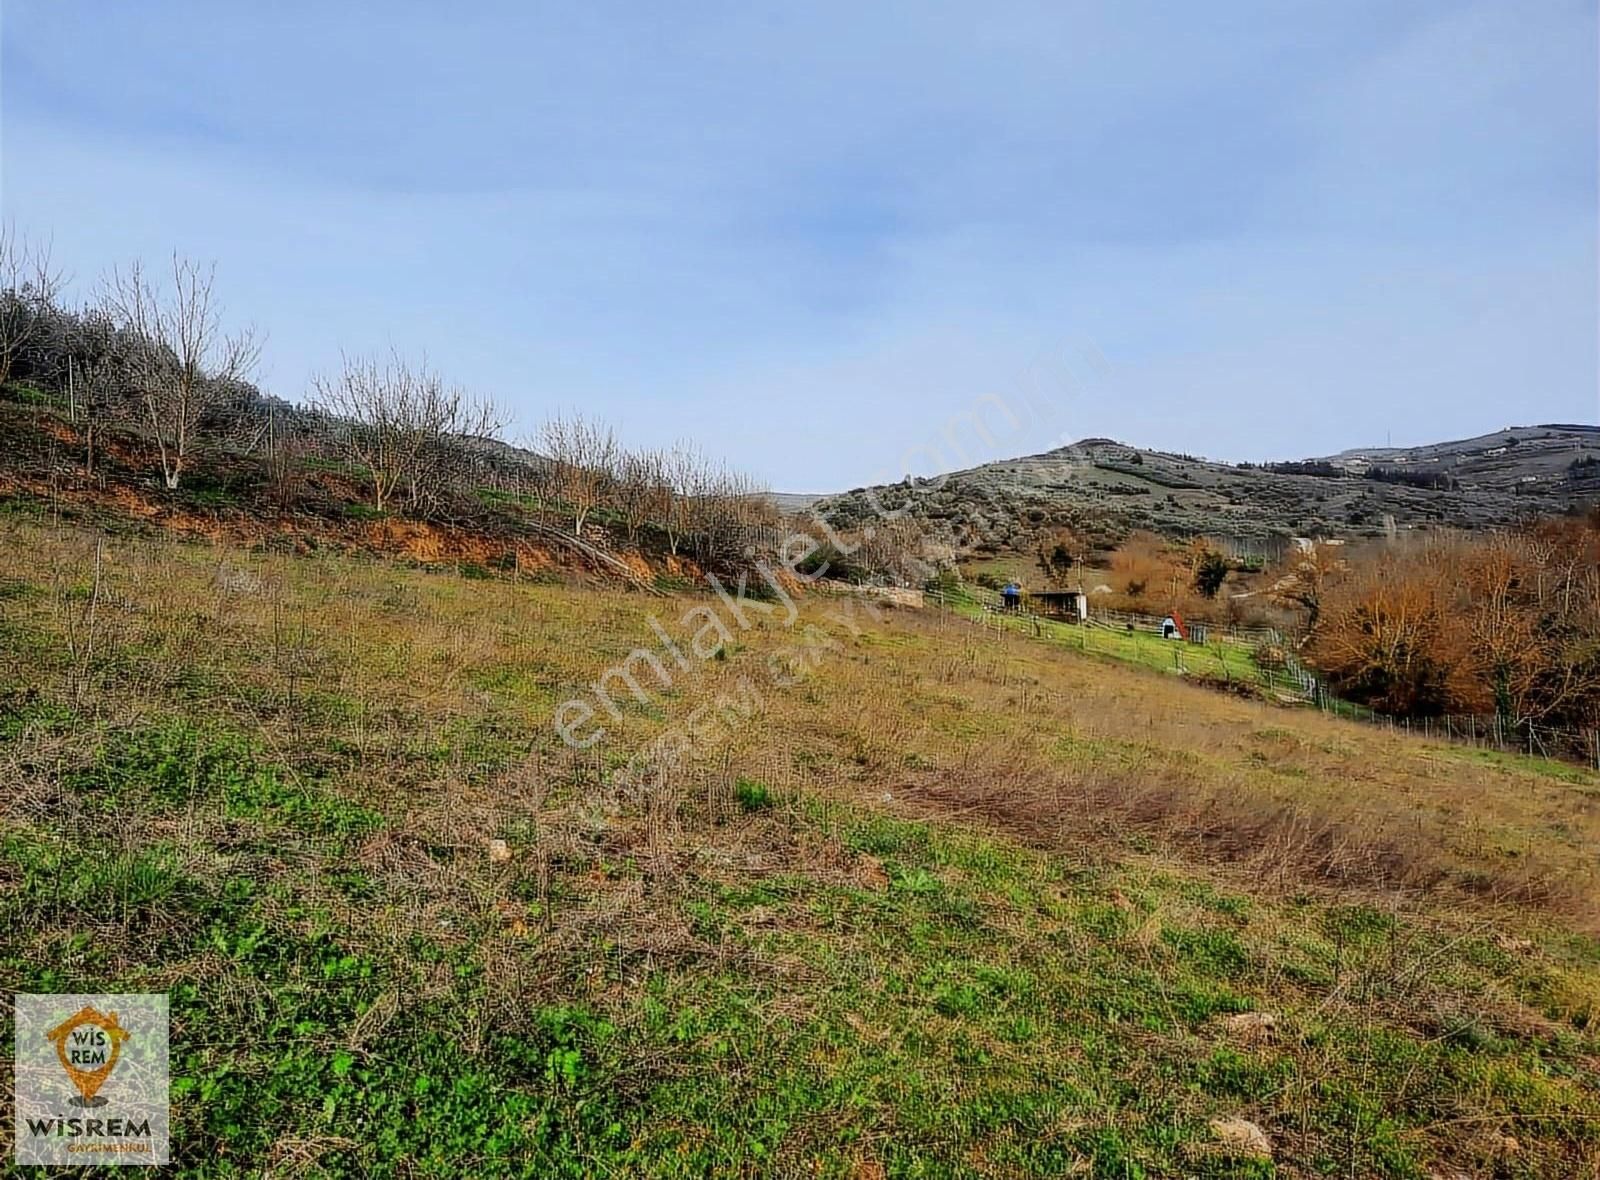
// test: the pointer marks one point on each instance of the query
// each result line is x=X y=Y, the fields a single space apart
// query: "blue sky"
x=808 y=235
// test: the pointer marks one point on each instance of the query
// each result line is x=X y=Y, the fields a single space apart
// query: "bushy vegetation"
x=1506 y=623
x=1441 y=481
x=1150 y=574
x=1211 y=570
x=1320 y=468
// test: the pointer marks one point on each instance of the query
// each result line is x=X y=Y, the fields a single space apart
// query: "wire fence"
x=1483 y=731
x=1202 y=632
x=1136 y=639
x=1261 y=656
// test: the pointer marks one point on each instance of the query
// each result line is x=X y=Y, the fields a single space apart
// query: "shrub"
x=1503 y=623
x=1210 y=573
x=752 y=795
x=827 y=561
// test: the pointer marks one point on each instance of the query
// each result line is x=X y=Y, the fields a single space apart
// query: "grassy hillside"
x=1222 y=660
x=926 y=902
x=1107 y=489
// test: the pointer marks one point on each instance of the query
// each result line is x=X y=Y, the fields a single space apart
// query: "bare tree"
x=92 y=391
x=94 y=375
x=1532 y=601
x=583 y=457
x=29 y=285
x=402 y=424
x=1060 y=554
x=684 y=477
x=185 y=367
x=1314 y=569
x=642 y=494
x=284 y=442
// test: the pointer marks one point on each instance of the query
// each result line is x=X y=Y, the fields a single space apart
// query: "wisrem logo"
x=91 y=1080
x=76 y=1127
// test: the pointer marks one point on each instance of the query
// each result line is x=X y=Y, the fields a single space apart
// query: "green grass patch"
x=752 y=795
x=177 y=764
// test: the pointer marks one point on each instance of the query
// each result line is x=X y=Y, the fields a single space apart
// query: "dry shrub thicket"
x=1150 y=574
x=1504 y=624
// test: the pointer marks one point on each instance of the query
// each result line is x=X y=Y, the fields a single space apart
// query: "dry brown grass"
x=1067 y=753
x=1140 y=799
x=921 y=710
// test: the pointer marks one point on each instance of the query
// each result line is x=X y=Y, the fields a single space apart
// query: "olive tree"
x=29 y=285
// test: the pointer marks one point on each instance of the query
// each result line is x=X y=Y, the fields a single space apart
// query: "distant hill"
x=1518 y=458
x=795 y=501
x=1107 y=489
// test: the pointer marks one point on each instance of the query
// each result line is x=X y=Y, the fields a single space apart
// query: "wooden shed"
x=1060 y=604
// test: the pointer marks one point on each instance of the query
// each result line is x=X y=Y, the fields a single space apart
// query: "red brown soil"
x=42 y=460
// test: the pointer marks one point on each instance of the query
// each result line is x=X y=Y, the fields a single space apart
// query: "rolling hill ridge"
x=1109 y=489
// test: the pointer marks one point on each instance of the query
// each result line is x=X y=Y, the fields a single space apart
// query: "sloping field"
x=915 y=900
